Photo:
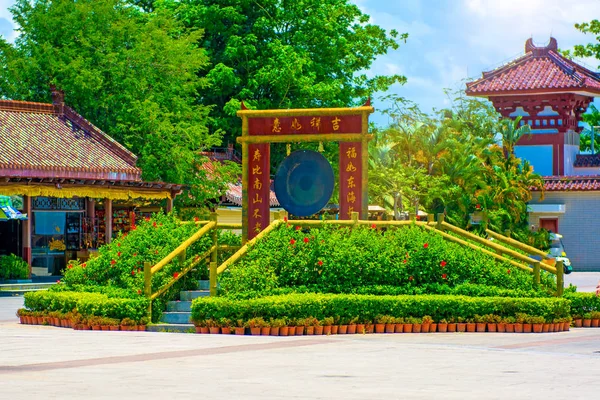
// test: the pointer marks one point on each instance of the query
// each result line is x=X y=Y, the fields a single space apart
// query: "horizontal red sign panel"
x=305 y=125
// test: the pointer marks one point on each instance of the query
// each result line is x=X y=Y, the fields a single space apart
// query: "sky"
x=451 y=41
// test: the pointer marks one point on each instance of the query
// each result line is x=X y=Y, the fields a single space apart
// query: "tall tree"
x=285 y=54
x=133 y=74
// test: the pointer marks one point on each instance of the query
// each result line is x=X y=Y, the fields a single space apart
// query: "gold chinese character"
x=296 y=125
x=350 y=167
x=256 y=155
x=256 y=199
x=316 y=123
x=256 y=213
x=276 y=126
x=350 y=211
x=351 y=152
x=256 y=170
x=257 y=184
x=351 y=183
x=350 y=197
x=336 y=123
x=258 y=227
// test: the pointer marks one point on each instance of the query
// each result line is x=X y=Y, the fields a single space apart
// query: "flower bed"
x=364 y=312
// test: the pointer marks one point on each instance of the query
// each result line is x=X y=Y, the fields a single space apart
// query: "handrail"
x=517 y=244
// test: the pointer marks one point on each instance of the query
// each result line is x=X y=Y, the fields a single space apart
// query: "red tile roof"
x=541 y=69
x=587 y=160
x=571 y=183
x=40 y=140
x=234 y=195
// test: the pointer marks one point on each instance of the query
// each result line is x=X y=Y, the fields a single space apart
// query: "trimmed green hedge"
x=87 y=304
x=583 y=303
x=367 y=307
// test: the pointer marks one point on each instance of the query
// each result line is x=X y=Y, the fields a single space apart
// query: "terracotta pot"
x=510 y=328
x=274 y=331
x=442 y=328
x=284 y=331
x=104 y=328
x=461 y=327
x=96 y=328
x=452 y=327
x=501 y=327
x=546 y=328
x=399 y=328
x=327 y=330
x=578 y=323
x=334 y=329
x=587 y=323
x=369 y=328
x=433 y=328
x=299 y=330
x=416 y=328
x=379 y=328
x=85 y=327
x=518 y=328
x=595 y=323
x=310 y=330
x=537 y=328
x=202 y=329
x=319 y=330
x=360 y=328
x=21 y=319
x=551 y=328
x=407 y=328
x=199 y=329
x=558 y=327
x=291 y=330
x=527 y=328
x=56 y=321
x=76 y=327
x=425 y=328
x=491 y=327
x=480 y=327
x=351 y=329
x=565 y=326
x=214 y=330
x=471 y=326
x=390 y=328
x=266 y=331
x=254 y=331
x=343 y=329
x=226 y=330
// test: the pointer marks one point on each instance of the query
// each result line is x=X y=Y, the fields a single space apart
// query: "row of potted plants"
x=78 y=322
x=382 y=324
x=587 y=320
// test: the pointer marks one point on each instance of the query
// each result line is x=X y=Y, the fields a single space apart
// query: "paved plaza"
x=45 y=362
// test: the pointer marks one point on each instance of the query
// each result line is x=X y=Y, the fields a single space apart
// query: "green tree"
x=133 y=74
x=285 y=54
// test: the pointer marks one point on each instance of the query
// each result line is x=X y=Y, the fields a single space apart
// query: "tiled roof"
x=39 y=140
x=571 y=183
x=587 y=160
x=234 y=195
x=540 y=69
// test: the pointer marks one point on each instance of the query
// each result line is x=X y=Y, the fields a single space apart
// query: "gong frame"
x=248 y=139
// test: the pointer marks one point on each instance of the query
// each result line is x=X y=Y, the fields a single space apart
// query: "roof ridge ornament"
x=541 y=50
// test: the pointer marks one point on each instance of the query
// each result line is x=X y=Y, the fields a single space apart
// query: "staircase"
x=178 y=314
x=18 y=289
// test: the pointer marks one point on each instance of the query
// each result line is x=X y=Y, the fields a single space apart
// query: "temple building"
x=550 y=93
x=78 y=187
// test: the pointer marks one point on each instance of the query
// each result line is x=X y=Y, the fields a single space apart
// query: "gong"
x=304 y=183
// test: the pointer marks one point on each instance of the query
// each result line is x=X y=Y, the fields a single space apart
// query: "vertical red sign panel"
x=258 y=188
x=350 y=179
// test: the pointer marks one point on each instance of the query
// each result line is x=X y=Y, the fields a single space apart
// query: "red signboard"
x=350 y=179
x=258 y=188
x=305 y=125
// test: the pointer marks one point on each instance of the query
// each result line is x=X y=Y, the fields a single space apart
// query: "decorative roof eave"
x=26 y=171
x=589 y=92
x=573 y=183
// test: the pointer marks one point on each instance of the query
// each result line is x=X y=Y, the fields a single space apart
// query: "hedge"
x=87 y=304
x=367 y=307
x=583 y=303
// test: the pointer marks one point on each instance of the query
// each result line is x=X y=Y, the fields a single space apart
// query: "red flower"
x=410 y=278
x=133 y=228
x=320 y=263
x=147 y=219
x=405 y=261
x=58 y=281
x=139 y=270
x=373 y=226
x=508 y=272
x=297 y=228
x=444 y=276
x=112 y=262
x=69 y=266
x=292 y=241
x=139 y=291
x=135 y=254
x=119 y=254
x=443 y=264
x=133 y=272
x=154 y=224
x=118 y=244
x=284 y=219
x=175 y=275
x=155 y=251
x=83 y=265
x=426 y=245
x=196 y=219
x=305 y=240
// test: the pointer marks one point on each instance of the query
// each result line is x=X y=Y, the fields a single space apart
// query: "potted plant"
x=201 y=326
x=416 y=323
x=284 y=330
x=399 y=325
x=578 y=320
x=587 y=320
x=407 y=327
x=380 y=321
x=317 y=326
x=510 y=324
x=595 y=315
x=501 y=324
x=442 y=325
x=537 y=323
x=327 y=322
x=361 y=325
x=461 y=326
x=352 y=326
x=520 y=322
x=292 y=323
x=213 y=326
x=343 y=326
x=451 y=325
x=240 y=327
x=22 y=313
x=426 y=323
x=276 y=324
x=255 y=324
x=96 y=322
x=225 y=324
x=471 y=325
x=127 y=324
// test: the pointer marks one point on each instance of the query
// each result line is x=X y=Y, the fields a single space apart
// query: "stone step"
x=25 y=286
x=203 y=285
x=189 y=295
x=179 y=328
x=184 y=306
x=176 y=317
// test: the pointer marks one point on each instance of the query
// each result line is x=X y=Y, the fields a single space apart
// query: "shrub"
x=13 y=267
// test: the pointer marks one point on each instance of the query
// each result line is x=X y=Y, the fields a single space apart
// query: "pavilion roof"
x=39 y=140
x=539 y=70
x=571 y=183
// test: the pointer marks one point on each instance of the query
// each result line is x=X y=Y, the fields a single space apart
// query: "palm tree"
x=511 y=131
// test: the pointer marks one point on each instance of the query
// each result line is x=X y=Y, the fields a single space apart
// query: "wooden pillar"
x=108 y=220
x=364 y=209
x=169 y=206
x=26 y=232
x=91 y=208
x=245 y=175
